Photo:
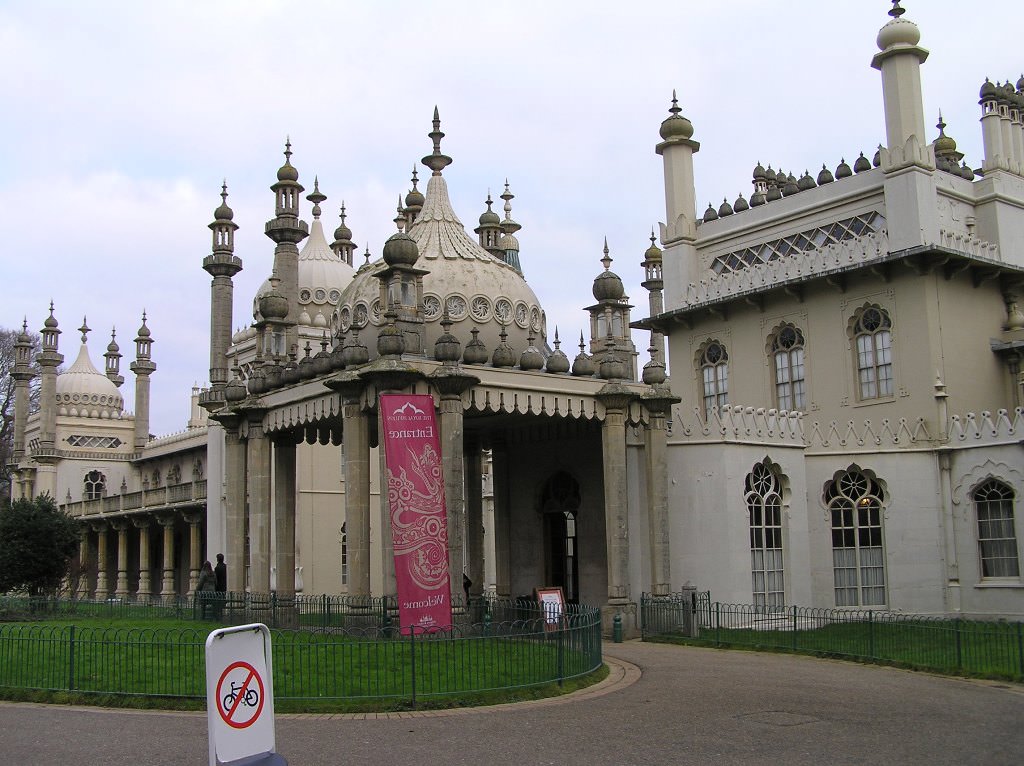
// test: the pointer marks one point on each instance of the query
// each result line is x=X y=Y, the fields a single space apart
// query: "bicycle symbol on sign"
x=251 y=698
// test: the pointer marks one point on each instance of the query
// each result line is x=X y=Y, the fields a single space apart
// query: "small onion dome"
x=899 y=31
x=401 y=249
x=489 y=217
x=651 y=254
x=966 y=172
x=988 y=91
x=790 y=187
x=508 y=242
x=1006 y=93
x=390 y=340
x=322 y=360
x=234 y=391
x=532 y=358
x=307 y=369
x=503 y=355
x=112 y=347
x=343 y=233
x=447 y=347
x=861 y=164
x=740 y=204
x=654 y=373
x=273 y=375
x=143 y=330
x=769 y=175
x=805 y=182
x=257 y=382
x=583 y=364
x=286 y=172
x=355 y=353
x=876 y=161
x=725 y=208
x=676 y=126
x=290 y=374
x=757 y=199
x=476 y=351
x=843 y=170
x=825 y=176
x=607 y=284
x=759 y=172
x=774 y=193
x=223 y=212
x=273 y=305
x=558 y=362
x=1020 y=84
x=414 y=198
x=611 y=366
x=710 y=214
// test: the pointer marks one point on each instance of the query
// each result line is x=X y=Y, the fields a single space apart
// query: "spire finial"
x=415 y=178
x=896 y=11
x=607 y=260
x=436 y=161
x=582 y=344
x=675 y=104
x=653 y=238
x=84 y=329
x=224 y=192
x=941 y=125
x=557 y=341
x=400 y=216
x=366 y=255
x=343 y=212
x=316 y=197
x=287 y=150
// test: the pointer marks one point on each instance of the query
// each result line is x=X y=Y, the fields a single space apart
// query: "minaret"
x=414 y=199
x=509 y=245
x=143 y=367
x=222 y=264
x=49 y=360
x=286 y=230
x=113 y=360
x=489 y=230
x=900 y=64
x=22 y=374
x=654 y=283
x=609 y=318
x=343 y=246
x=679 y=233
x=1008 y=116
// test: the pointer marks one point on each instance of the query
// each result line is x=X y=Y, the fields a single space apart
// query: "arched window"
x=95 y=484
x=872 y=336
x=713 y=362
x=854 y=500
x=997 y=538
x=763 y=493
x=787 y=352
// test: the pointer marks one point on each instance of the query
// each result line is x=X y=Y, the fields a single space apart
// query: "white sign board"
x=239 y=693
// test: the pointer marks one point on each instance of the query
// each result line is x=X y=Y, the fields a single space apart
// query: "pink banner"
x=419 y=526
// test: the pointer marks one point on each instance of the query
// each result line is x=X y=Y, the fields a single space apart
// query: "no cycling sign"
x=240 y=696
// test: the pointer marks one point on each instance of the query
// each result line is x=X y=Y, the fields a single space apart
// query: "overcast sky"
x=122 y=118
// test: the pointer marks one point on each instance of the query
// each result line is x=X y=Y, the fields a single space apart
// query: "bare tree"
x=7 y=340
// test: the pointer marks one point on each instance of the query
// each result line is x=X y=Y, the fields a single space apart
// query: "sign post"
x=240 y=697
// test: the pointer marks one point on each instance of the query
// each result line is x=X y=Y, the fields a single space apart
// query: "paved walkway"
x=661 y=705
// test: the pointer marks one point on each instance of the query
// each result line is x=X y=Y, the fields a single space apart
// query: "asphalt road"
x=662 y=705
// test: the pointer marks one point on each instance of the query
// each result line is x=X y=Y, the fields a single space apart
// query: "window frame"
x=1008 y=500
x=759 y=497
x=872 y=350
x=714 y=389
x=796 y=386
x=859 y=493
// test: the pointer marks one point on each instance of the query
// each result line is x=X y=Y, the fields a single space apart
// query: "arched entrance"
x=560 y=504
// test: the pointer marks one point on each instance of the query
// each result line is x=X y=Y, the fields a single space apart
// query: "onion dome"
x=223 y=212
x=583 y=364
x=503 y=355
x=342 y=235
x=899 y=31
x=476 y=351
x=558 y=362
x=83 y=391
x=676 y=126
x=740 y=204
x=825 y=176
x=774 y=193
x=759 y=173
x=611 y=367
x=876 y=160
x=725 y=208
x=1006 y=93
x=710 y=214
x=770 y=176
x=400 y=249
x=306 y=368
x=531 y=358
x=355 y=353
x=757 y=199
x=988 y=91
x=966 y=172
x=651 y=255
x=272 y=305
x=290 y=373
x=390 y=339
x=447 y=347
x=1020 y=84
x=790 y=186
x=861 y=164
x=607 y=284
x=944 y=145
x=805 y=182
x=322 y=361
x=654 y=370
x=257 y=383
x=843 y=170
x=414 y=199
x=234 y=391
x=286 y=172
x=489 y=217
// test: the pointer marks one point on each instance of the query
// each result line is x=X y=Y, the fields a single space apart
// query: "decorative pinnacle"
x=654 y=239
x=366 y=255
x=84 y=329
x=287 y=150
x=342 y=214
x=316 y=197
x=436 y=161
x=557 y=341
x=675 y=109
x=582 y=345
x=415 y=178
x=607 y=260
x=446 y=319
x=941 y=125
x=896 y=11
x=224 y=192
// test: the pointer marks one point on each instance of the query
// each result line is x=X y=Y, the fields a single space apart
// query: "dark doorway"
x=560 y=502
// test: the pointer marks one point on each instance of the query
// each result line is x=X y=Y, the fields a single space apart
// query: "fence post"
x=412 y=646
x=871 y=634
x=561 y=654
x=1020 y=646
x=718 y=624
x=794 y=628
x=959 y=647
x=71 y=659
x=325 y=612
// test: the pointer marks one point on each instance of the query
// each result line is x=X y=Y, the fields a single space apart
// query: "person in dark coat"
x=205 y=589
x=221 y=573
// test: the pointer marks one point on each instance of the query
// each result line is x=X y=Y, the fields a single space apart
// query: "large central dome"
x=477 y=289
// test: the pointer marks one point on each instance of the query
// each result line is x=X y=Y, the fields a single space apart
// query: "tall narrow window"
x=997 y=537
x=872 y=334
x=714 y=369
x=787 y=349
x=764 y=508
x=95 y=483
x=854 y=500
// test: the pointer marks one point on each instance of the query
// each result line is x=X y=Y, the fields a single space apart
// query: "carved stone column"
x=82 y=590
x=658 y=402
x=195 y=552
x=102 y=586
x=145 y=587
x=234 y=503
x=284 y=514
x=257 y=458
x=167 y=587
x=121 y=525
x=616 y=399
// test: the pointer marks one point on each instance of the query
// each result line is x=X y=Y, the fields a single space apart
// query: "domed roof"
x=475 y=287
x=899 y=31
x=675 y=126
x=84 y=391
x=322 y=278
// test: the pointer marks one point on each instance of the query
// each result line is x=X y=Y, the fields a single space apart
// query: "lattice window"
x=872 y=336
x=95 y=485
x=795 y=244
x=94 y=442
x=786 y=349
x=854 y=500
x=763 y=493
x=997 y=537
x=713 y=362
